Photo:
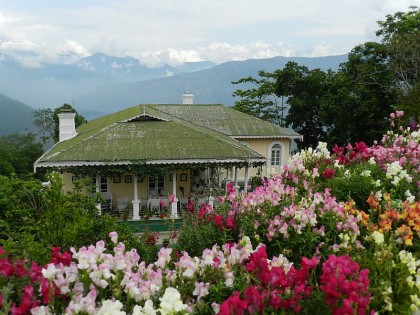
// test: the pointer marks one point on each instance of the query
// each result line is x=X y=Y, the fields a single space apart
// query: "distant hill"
x=101 y=84
x=15 y=116
x=50 y=85
x=209 y=86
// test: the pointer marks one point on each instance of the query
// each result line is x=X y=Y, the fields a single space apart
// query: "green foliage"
x=198 y=234
x=356 y=184
x=261 y=101
x=305 y=89
x=352 y=104
x=33 y=218
x=18 y=152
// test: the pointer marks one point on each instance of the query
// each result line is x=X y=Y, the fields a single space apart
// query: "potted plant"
x=165 y=242
x=125 y=214
x=146 y=214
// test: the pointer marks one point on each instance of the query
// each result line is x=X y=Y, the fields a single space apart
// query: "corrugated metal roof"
x=226 y=120
x=148 y=133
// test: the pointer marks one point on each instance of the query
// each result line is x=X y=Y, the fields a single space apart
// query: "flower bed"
x=335 y=233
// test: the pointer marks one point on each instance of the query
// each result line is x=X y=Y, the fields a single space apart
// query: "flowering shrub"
x=334 y=233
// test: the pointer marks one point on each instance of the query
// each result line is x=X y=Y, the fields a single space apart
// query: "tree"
x=354 y=103
x=305 y=89
x=18 y=153
x=47 y=121
x=261 y=101
x=360 y=97
x=400 y=34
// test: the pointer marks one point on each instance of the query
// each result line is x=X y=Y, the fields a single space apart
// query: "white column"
x=174 y=204
x=246 y=178
x=211 y=201
x=136 y=201
x=98 y=189
x=235 y=170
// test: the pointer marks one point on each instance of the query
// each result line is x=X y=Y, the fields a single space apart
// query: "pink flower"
x=114 y=237
x=171 y=198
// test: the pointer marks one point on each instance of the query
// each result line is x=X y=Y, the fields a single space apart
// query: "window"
x=104 y=184
x=156 y=185
x=276 y=155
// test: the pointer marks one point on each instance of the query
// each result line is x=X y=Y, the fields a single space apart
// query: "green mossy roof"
x=145 y=133
x=226 y=120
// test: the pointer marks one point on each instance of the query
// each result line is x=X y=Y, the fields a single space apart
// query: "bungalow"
x=140 y=156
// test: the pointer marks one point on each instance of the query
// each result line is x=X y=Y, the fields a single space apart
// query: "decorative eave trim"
x=153 y=162
x=268 y=137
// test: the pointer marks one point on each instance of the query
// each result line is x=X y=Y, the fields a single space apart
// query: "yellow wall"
x=124 y=189
x=262 y=147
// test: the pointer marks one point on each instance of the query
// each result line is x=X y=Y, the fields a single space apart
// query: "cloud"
x=220 y=52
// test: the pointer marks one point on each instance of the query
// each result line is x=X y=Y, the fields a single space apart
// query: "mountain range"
x=102 y=84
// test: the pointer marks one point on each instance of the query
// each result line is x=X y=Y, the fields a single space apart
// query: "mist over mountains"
x=102 y=84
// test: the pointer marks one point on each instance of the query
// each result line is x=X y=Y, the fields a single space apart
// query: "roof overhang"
x=152 y=162
x=268 y=137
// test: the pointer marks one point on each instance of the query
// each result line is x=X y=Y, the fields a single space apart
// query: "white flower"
x=41 y=310
x=170 y=302
x=111 y=308
x=50 y=272
x=372 y=160
x=147 y=309
x=378 y=237
x=365 y=173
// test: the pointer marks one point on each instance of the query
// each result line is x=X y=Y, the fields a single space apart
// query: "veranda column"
x=98 y=189
x=136 y=201
x=174 y=204
x=246 y=178
x=235 y=169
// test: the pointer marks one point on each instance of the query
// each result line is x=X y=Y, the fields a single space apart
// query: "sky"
x=177 y=31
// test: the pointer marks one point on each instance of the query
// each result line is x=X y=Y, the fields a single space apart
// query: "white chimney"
x=187 y=98
x=67 y=127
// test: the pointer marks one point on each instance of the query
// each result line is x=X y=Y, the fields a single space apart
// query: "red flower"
x=328 y=173
x=218 y=219
x=233 y=305
x=255 y=300
x=58 y=257
x=230 y=222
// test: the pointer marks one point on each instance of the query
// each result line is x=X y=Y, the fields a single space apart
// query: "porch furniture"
x=154 y=206
x=183 y=203
x=122 y=203
x=106 y=206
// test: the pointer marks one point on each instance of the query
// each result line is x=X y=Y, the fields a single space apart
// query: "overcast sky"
x=176 y=31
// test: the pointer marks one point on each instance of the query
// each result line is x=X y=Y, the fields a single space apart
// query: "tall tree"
x=360 y=97
x=261 y=100
x=304 y=89
x=45 y=123
x=19 y=152
x=400 y=33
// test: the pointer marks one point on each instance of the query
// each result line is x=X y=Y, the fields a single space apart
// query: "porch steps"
x=153 y=225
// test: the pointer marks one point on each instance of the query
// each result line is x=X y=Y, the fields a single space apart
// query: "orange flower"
x=387 y=219
x=405 y=232
x=373 y=203
x=411 y=215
